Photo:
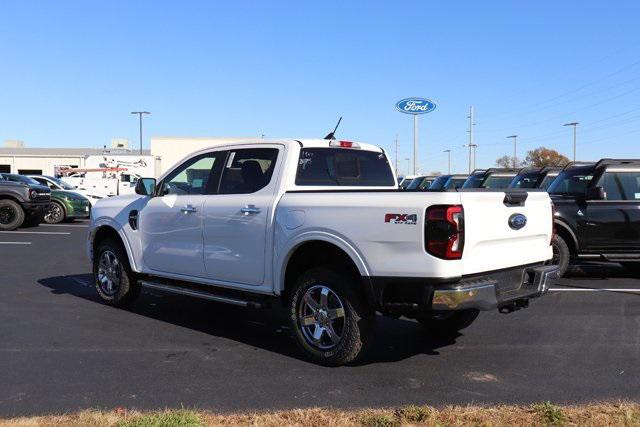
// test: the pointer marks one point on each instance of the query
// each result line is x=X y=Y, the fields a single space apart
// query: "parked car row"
x=29 y=200
x=597 y=205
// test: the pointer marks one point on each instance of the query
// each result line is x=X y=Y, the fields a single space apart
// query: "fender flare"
x=562 y=224
x=281 y=262
x=110 y=223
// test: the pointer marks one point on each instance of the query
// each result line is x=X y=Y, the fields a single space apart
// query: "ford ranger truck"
x=321 y=227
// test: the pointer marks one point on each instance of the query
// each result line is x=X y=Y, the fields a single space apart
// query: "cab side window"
x=621 y=185
x=198 y=175
x=248 y=170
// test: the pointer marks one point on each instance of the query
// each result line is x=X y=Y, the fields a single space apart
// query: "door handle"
x=250 y=209
x=188 y=209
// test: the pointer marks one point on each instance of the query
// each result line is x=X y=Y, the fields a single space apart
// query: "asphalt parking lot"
x=62 y=350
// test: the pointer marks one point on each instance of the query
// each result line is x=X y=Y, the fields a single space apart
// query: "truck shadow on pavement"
x=267 y=329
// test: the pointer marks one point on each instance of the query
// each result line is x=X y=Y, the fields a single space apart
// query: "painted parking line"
x=595 y=290
x=63 y=225
x=64 y=233
x=15 y=243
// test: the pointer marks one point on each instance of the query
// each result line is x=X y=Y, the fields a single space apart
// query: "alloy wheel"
x=109 y=273
x=54 y=214
x=321 y=317
x=7 y=215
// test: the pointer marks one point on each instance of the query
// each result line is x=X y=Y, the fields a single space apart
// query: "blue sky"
x=70 y=72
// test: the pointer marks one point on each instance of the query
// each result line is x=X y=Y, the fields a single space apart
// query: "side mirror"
x=146 y=186
x=595 y=193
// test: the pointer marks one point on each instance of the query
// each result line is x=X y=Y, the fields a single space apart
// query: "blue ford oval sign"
x=517 y=221
x=415 y=106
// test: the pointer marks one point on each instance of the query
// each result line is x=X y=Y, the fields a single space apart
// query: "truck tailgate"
x=493 y=242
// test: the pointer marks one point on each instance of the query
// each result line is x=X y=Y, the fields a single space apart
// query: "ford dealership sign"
x=415 y=106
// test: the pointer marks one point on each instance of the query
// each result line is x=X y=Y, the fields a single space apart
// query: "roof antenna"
x=332 y=135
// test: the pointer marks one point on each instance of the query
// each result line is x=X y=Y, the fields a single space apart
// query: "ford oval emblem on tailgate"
x=517 y=221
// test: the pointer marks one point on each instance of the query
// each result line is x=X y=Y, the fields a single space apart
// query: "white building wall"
x=43 y=163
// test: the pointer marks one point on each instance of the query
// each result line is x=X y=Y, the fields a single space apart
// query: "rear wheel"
x=11 y=215
x=448 y=322
x=54 y=214
x=332 y=323
x=114 y=280
x=561 y=255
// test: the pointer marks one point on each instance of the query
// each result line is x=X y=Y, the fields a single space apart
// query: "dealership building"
x=17 y=157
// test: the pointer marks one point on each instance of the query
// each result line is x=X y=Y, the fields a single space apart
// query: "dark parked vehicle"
x=448 y=182
x=535 y=177
x=490 y=178
x=420 y=182
x=65 y=205
x=598 y=213
x=22 y=204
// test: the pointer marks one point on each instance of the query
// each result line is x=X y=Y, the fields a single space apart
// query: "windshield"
x=474 y=181
x=425 y=183
x=61 y=183
x=497 y=181
x=455 y=183
x=21 y=178
x=415 y=183
x=525 y=180
x=546 y=182
x=440 y=182
x=572 y=182
x=344 y=167
x=405 y=182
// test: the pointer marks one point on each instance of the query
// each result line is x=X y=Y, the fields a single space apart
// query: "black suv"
x=597 y=213
x=490 y=178
x=22 y=204
x=535 y=177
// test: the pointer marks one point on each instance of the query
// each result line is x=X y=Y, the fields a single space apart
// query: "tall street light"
x=408 y=166
x=575 y=127
x=515 y=150
x=140 y=113
x=449 y=160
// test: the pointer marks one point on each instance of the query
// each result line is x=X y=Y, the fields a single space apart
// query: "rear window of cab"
x=343 y=167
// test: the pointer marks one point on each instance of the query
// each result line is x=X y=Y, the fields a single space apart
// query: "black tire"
x=632 y=267
x=55 y=213
x=448 y=323
x=11 y=215
x=119 y=286
x=352 y=331
x=561 y=255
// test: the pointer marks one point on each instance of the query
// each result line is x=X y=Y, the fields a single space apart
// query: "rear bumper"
x=486 y=291
x=490 y=293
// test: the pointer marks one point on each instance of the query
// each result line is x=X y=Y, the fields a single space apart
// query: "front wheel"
x=11 y=215
x=54 y=214
x=446 y=323
x=114 y=280
x=332 y=323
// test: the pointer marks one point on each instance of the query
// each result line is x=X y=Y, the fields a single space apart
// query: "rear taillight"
x=444 y=231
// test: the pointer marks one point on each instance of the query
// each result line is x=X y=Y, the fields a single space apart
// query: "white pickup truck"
x=321 y=226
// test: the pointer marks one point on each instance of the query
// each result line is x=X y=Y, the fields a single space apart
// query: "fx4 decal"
x=409 y=219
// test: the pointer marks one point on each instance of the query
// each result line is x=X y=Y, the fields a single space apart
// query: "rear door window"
x=343 y=167
x=248 y=170
x=621 y=185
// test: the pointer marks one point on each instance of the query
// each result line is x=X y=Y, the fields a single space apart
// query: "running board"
x=199 y=294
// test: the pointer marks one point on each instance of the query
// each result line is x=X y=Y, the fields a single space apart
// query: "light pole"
x=515 y=149
x=449 y=160
x=140 y=113
x=575 y=127
x=396 y=156
x=408 y=166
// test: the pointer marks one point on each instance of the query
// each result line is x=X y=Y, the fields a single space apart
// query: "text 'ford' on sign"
x=415 y=106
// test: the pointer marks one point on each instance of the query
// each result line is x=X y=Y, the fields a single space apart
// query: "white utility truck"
x=320 y=226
